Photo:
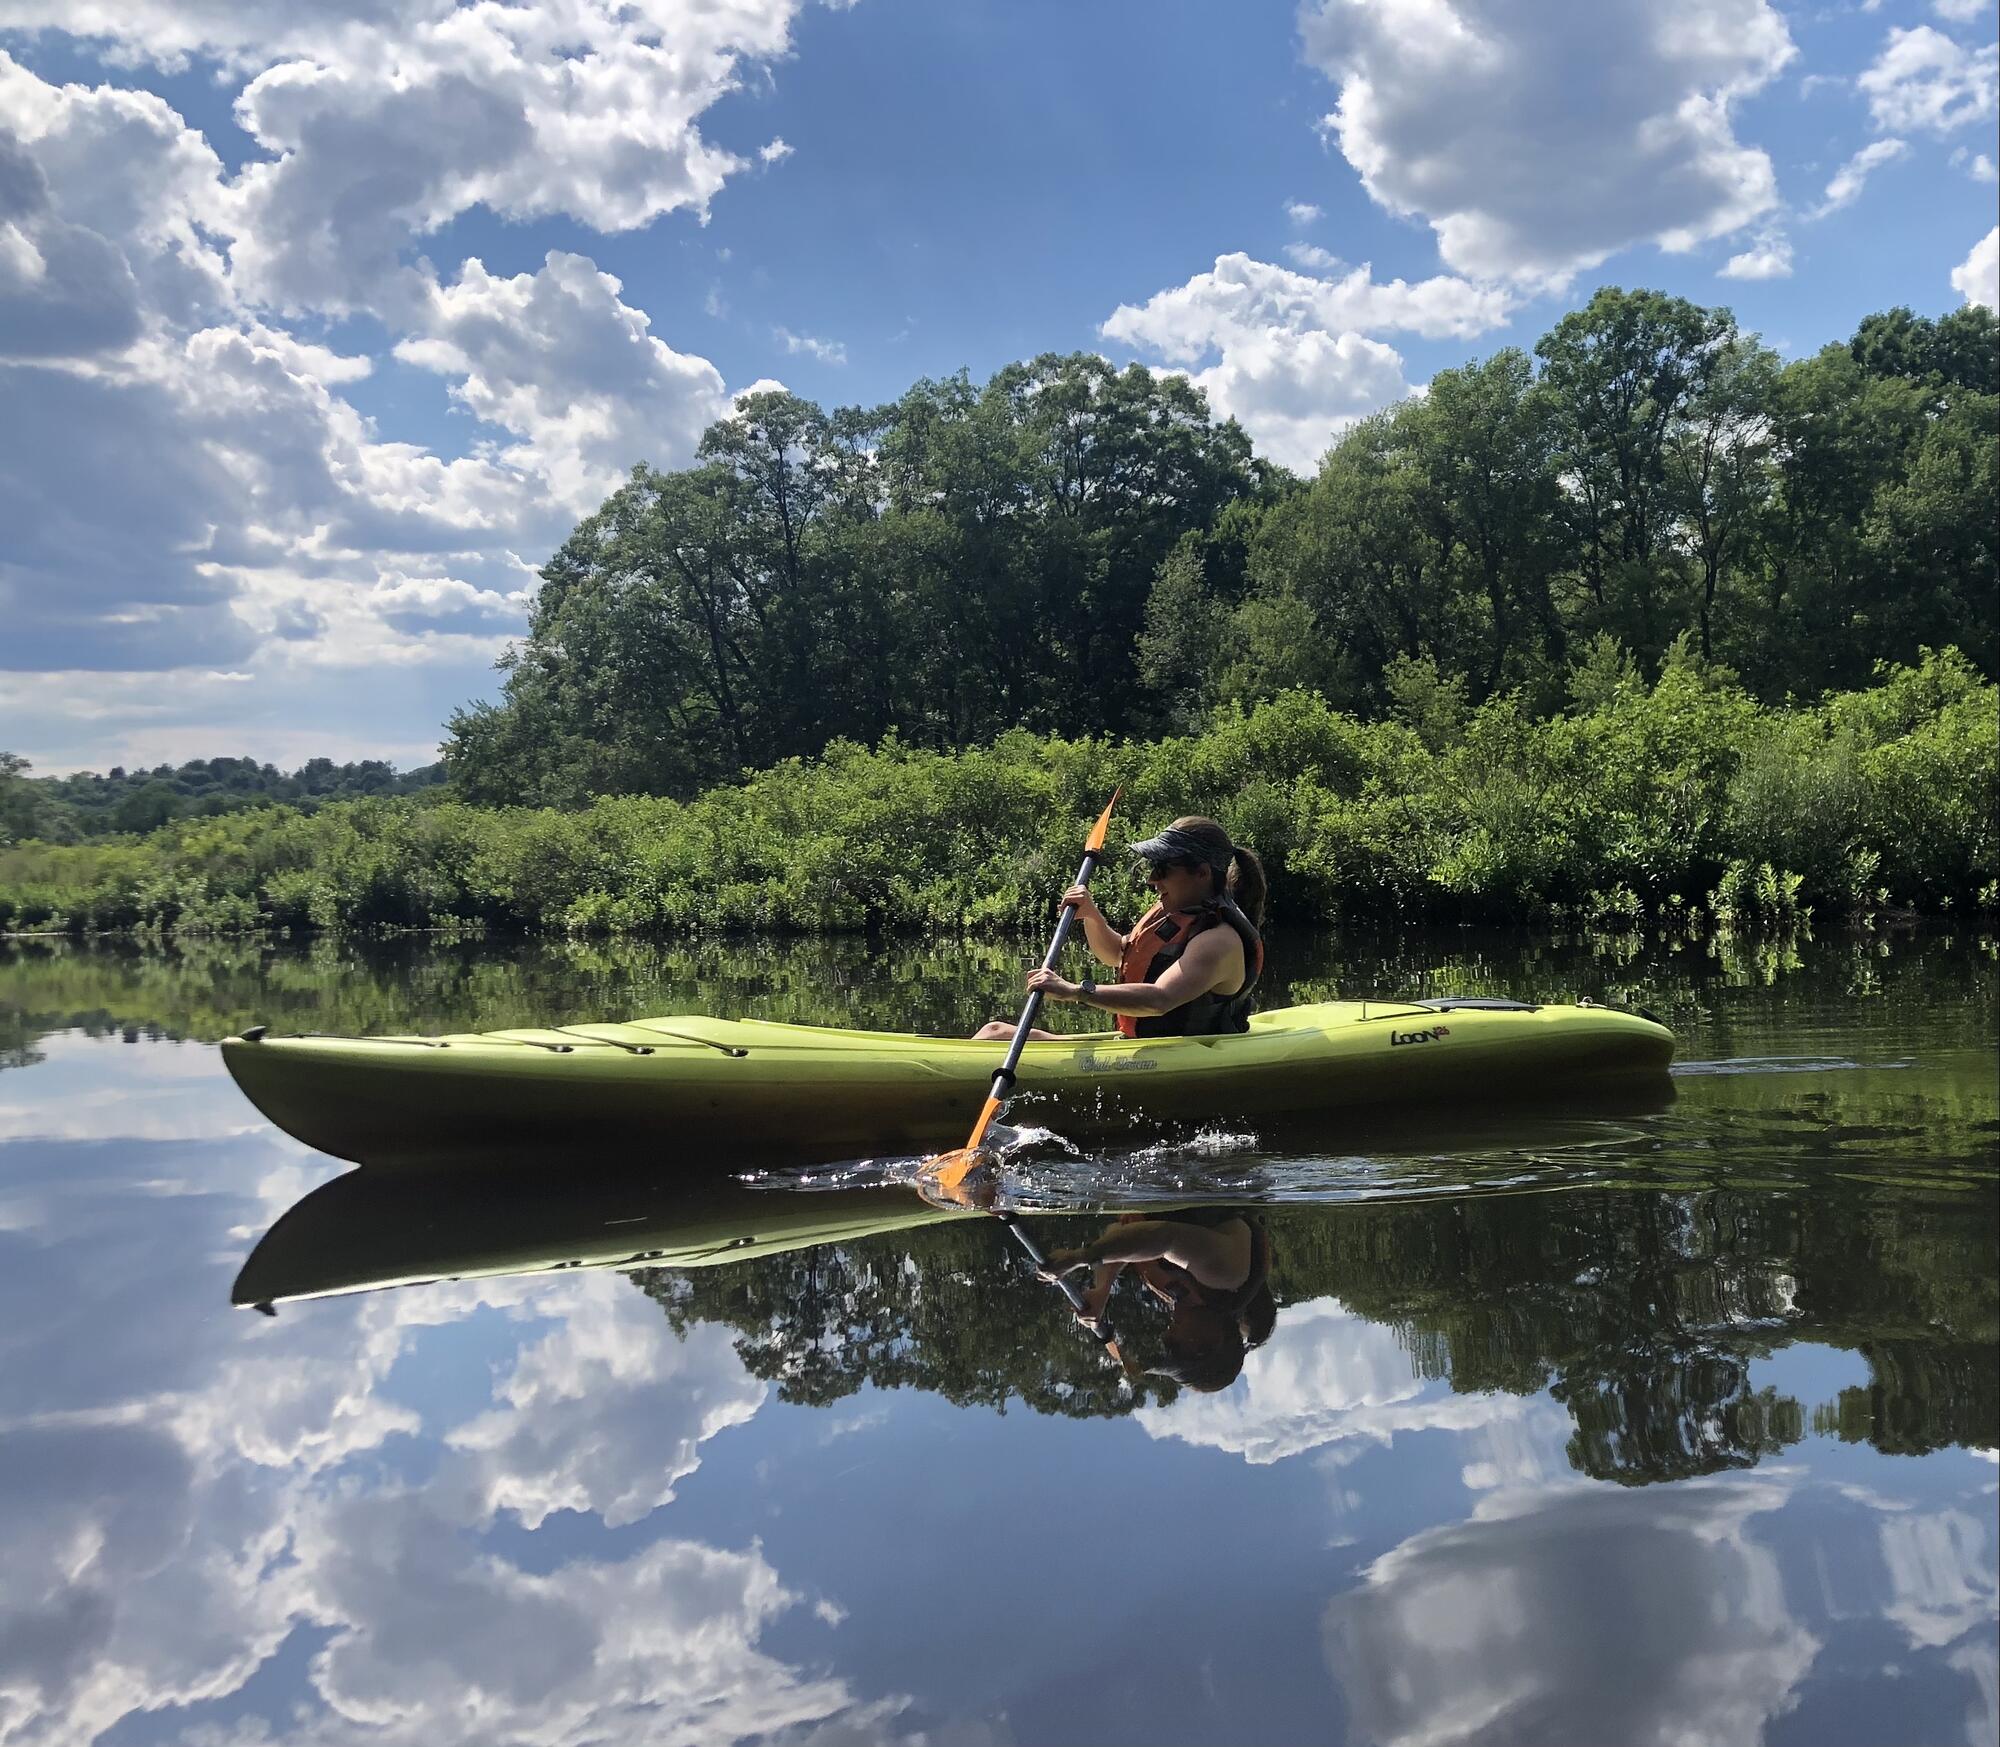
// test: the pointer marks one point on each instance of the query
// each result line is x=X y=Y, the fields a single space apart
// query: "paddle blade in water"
x=949 y=1170
x=967 y=1191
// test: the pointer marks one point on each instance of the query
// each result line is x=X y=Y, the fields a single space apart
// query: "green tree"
x=1620 y=375
x=1955 y=353
x=1483 y=439
x=1717 y=467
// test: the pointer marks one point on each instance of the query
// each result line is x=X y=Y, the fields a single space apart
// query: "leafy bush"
x=1670 y=802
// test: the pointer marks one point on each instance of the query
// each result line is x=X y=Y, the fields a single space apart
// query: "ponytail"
x=1247 y=885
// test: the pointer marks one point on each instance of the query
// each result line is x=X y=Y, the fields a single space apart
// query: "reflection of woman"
x=1211 y=1266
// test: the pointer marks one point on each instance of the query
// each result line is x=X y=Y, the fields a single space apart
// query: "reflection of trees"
x=1919 y=1397
x=950 y=1309
x=1641 y=1312
x=209 y=988
x=195 y=987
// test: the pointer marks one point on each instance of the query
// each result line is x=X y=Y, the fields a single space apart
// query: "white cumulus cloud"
x=151 y=352
x=1293 y=356
x=1770 y=258
x=1852 y=176
x=1977 y=277
x=1923 y=81
x=1538 y=137
x=1241 y=295
x=557 y=358
x=378 y=124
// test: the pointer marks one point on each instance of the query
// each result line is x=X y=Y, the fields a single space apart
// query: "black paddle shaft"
x=1003 y=1078
x=1099 y=1326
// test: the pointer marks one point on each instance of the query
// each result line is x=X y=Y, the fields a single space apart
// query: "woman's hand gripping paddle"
x=949 y=1170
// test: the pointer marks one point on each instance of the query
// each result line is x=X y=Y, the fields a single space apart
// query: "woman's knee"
x=993 y=1028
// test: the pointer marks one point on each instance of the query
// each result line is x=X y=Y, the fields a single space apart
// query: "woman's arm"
x=1099 y=1294
x=1205 y=966
x=1106 y=944
x=1212 y=1257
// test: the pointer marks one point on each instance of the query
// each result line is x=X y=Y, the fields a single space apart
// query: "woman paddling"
x=1211 y=1266
x=1189 y=967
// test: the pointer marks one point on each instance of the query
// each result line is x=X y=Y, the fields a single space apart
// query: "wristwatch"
x=1086 y=990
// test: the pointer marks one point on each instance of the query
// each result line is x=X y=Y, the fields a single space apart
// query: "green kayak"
x=723 y=1089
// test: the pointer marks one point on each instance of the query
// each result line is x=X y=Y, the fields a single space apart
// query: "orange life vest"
x=1160 y=939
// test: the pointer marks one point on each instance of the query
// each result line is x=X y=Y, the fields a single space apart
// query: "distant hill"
x=65 y=809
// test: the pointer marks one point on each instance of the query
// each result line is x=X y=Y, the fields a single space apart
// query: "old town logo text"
x=1430 y=1036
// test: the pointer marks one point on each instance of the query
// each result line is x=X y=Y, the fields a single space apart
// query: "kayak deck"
x=721 y=1087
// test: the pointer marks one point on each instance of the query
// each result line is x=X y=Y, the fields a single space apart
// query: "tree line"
x=1081 y=550
x=68 y=809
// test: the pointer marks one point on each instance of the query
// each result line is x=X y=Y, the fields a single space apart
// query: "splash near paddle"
x=949 y=1170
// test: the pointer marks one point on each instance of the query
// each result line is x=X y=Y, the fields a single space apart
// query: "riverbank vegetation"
x=1680 y=800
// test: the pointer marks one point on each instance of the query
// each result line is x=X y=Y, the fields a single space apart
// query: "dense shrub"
x=1658 y=801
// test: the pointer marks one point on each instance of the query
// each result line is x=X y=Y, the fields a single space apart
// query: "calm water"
x=1667 y=1420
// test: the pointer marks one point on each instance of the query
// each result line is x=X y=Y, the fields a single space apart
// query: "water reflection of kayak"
x=369 y=1229
x=523 y=1211
x=714 y=1084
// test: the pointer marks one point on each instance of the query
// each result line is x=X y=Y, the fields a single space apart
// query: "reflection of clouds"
x=129 y=1584
x=132 y=1117
x=1940 y=1567
x=605 y=1413
x=123 y=1092
x=1328 y=1377
x=301 y=1405
x=162 y=1546
x=435 y=1642
x=1526 y=1450
x=1652 y=1614
x=1980 y=1663
x=183 y=1487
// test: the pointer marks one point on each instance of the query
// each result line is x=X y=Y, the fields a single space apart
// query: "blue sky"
x=321 y=325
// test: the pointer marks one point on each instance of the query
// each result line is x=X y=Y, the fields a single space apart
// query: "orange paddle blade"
x=974 y=1197
x=1103 y=824
x=951 y=1169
